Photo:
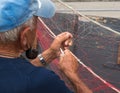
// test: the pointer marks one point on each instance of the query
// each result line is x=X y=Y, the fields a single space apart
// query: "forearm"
x=48 y=55
x=77 y=83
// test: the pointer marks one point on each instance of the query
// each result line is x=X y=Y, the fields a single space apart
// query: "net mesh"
x=92 y=44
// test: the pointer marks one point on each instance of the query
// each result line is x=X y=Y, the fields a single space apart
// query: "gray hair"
x=13 y=35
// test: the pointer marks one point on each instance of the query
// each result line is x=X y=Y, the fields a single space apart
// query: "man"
x=18 y=19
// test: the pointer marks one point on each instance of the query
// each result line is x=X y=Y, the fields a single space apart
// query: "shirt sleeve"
x=45 y=81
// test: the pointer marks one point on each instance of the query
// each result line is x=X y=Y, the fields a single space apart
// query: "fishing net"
x=95 y=45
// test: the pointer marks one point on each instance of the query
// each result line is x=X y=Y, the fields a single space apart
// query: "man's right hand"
x=68 y=63
x=69 y=66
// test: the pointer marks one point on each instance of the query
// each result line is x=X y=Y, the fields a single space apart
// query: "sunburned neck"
x=8 y=55
x=9 y=52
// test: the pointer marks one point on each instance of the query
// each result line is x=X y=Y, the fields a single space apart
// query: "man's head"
x=18 y=21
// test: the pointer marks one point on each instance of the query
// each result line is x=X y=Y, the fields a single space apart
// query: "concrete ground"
x=105 y=9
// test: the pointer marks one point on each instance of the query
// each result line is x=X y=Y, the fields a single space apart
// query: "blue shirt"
x=19 y=76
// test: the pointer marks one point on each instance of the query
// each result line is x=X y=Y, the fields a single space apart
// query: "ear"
x=24 y=39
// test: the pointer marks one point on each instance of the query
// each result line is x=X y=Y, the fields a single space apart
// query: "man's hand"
x=68 y=63
x=69 y=66
x=63 y=40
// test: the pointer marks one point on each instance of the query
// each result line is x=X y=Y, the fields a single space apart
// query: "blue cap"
x=15 y=12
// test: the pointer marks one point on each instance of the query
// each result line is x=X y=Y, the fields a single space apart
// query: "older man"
x=18 y=19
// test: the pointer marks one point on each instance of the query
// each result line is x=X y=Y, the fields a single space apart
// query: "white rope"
x=89 y=69
x=108 y=28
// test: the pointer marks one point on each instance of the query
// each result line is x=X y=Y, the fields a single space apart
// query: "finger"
x=64 y=36
x=68 y=42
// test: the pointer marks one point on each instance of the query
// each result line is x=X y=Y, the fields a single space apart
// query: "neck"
x=9 y=55
x=9 y=51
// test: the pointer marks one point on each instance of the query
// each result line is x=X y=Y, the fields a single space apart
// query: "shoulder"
x=42 y=74
x=46 y=81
